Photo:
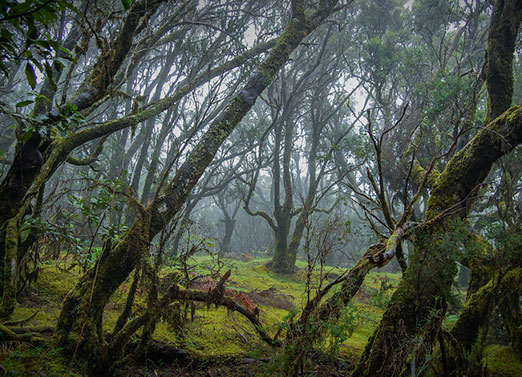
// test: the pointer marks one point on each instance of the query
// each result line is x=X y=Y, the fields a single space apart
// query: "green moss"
x=214 y=332
x=55 y=282
x=48 y=292
x=46 y=316
x=22 y=359
x=502 y=361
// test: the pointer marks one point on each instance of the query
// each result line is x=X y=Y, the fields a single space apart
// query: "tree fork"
x=83 y=307
x=451 y=197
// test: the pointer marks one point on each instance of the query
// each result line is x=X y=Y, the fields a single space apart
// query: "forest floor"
x=211 y=341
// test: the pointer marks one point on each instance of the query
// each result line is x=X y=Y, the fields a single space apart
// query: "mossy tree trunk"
x=229 y=224
x=79 y=328
x=36 y=159
x=28 y=158
x=417 y=306
x=492 y=275
x=32 y=168
x=281 y=174
x=459 y=353
x=281 y=263
x=416 y=309
x=512 y=315
x=502 y=36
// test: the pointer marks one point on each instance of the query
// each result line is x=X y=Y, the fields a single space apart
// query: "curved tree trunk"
x=418 y=305
x=79 y=327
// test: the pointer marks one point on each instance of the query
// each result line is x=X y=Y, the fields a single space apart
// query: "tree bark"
x=79 y=326
x=418 y=305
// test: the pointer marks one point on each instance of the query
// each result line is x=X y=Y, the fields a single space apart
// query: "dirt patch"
x=206 y=284
x=268 y=297
x=271 y=297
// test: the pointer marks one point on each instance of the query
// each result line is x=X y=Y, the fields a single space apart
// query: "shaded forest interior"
x=261 y=188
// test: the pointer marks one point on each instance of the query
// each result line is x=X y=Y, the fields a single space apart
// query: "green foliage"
x=343 y=328
x=381 y=296
x=442 y=92
x=28 y=39
x=64 y=227
x=287 y=319
x=378 y=17
x=431 y=16
x=58 y=231
x=25 y=36
x=379 y=299
x=381 y=56
x=70 y=119
x=508 y=240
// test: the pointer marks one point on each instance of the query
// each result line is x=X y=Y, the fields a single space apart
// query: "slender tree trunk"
x=79 y=328
x=229 y=225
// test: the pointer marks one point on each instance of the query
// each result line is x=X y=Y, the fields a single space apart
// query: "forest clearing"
x=261 y=188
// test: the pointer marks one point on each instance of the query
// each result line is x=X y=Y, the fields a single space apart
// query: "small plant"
x=380 y=297
x=343 y=328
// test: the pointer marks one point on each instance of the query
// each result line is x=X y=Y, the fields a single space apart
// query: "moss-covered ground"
x=213 y=334
x=215 y=338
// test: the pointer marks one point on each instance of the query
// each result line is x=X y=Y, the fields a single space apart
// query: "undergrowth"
x=213 y=333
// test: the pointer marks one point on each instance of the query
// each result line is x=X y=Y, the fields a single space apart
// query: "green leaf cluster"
x=25 y=36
